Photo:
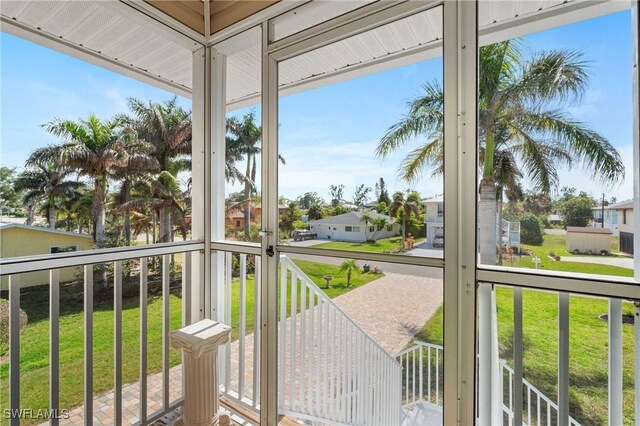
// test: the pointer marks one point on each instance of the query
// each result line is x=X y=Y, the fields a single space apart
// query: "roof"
x=5 y=225
x=623 y=205
x=351 y=218
x=587 y=230
x=436 y=199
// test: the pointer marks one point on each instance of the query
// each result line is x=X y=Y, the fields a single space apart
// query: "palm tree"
x=380 y=223
x=366 y=218
x=522 y=130
x=243 y=143
x=349 y=266
x=136 y=161
x=89 y=147
x=166 y=126
x=47 y=183
x=404 y=208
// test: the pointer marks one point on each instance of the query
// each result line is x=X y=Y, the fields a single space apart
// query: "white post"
x=563 y=359
x=199 y=343
x=615 y=361
x=488 y=392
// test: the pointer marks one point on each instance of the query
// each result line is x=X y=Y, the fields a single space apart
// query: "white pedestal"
x=199 y=343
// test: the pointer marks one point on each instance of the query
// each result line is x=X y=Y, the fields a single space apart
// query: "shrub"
x=530 y=230
x=4 y=322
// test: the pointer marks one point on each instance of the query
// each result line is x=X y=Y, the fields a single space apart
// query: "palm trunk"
x=499 y=219
x=404 y=229
x=30 y=213
x=52 y=215
x=247 y=197
x=487 y=221
x=127 y=215
x=165 y=225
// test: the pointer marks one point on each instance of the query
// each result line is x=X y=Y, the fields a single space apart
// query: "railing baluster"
x=312 y=329
x=143 y=339
x=14 y=347
x=414 y=375
x=292 y=343
x=319 y=358
x=344 y=355
x=421 y=372
x=242 y=324
x=256 y=331
x=303 y=340
x=282 y=339
x=529 y=405
x=54 y=343
x=88 y=345
x=117 y=342
x=517 y=356
x=186 y=289
x=538 y=410
x=437 y=377
x=228 y=286
x=166 y=294
x=563 y=360
x=429 y=371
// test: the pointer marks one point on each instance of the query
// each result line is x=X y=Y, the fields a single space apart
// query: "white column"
x=199 y=343
x=487 y=386
x=200 y=169
x=615 y=361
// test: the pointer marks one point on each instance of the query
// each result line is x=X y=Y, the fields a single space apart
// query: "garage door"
x=626 y=242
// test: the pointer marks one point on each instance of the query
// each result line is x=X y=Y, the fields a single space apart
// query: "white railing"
x=330 y=370
x=421 y=373
x=84 y=261
x=239 y=359
x=538 y=410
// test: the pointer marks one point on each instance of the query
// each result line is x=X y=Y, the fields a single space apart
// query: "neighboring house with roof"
x=24 y=240
x=350 y=227
x=434 y=217
x=606 y=217
x=234 y=216
x=626 y=228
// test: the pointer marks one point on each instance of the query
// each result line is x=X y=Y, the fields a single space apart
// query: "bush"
x=530 y=230
x=4 y=322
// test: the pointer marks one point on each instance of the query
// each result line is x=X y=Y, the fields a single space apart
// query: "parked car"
x=438 y=241
x=303 y=234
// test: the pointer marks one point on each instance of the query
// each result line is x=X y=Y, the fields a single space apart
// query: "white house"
x=434 y=217
x=625 y=225
x=350 y=227
x=610 y=218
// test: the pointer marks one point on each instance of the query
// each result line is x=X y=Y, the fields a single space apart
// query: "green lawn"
x=34 y=345
x=385 y=245
x=588 y=349
x=556 y=244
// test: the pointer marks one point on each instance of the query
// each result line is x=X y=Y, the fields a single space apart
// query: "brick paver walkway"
x=391 y=310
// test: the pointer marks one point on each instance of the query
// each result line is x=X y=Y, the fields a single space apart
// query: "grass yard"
x=556 y=243
x=385 y=245
x=588 y=349
x=34 y=340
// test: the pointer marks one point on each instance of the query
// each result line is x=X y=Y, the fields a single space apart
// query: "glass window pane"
x=360 y=137
x=556 y=139
x=243 y=139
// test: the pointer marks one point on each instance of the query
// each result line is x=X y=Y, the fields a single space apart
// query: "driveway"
x=426 y=250
x=622 y=262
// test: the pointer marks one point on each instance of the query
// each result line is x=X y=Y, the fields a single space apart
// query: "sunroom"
x=201 y=137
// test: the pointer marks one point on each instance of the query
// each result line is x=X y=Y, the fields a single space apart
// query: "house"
x=610 y=218
x=234 y=216
x=434 y=217
x=23 y=240
x=554 y=219
x=588 y=240
x=626 y=228
x=350 y=227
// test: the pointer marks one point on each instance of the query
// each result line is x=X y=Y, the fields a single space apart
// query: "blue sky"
x=327 y=135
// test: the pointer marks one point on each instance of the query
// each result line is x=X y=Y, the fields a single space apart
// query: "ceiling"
x=117 y=36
